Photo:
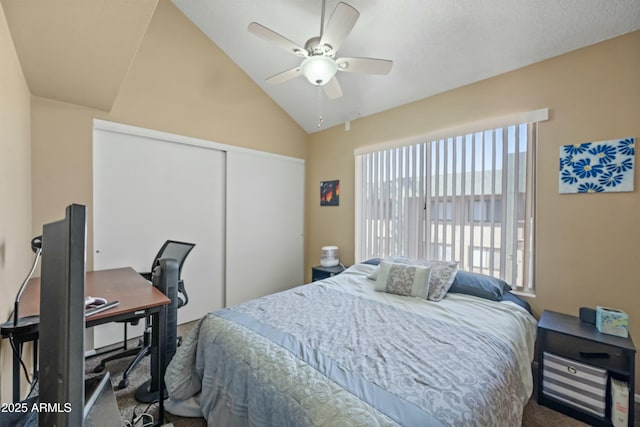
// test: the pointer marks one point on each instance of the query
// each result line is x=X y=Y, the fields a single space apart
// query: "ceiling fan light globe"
x=319 y=69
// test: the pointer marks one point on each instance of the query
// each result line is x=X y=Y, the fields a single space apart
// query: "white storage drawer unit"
x=576 y=384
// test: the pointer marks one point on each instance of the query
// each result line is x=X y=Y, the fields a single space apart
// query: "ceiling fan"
x=320 y=65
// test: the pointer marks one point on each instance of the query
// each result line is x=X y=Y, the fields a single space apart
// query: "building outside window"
x=467 y=198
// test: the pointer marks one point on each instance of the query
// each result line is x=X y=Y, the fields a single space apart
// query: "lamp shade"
x=319 y=69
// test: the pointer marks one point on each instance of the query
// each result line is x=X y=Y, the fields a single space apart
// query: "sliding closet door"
x=147 y=190
x=265 y=211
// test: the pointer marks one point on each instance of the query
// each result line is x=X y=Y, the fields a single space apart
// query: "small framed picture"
x=330 y=193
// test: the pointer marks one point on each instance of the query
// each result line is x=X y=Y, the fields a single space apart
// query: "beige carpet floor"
x=534 y=414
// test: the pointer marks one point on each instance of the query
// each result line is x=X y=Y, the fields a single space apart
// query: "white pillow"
x=403 y=279
x=394 y=259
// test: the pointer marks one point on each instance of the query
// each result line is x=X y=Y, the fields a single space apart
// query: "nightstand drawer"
x=590 y=352
x=577 y=384
x=320 y=273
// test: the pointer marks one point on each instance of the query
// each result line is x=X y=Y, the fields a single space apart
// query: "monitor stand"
x=100 y=407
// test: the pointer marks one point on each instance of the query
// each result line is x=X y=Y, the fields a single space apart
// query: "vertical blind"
x=467 y=198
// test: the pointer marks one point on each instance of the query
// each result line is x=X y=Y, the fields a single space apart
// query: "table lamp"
x=28 y=324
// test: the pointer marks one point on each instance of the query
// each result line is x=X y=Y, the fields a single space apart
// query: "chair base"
x=141 y=354
x=128 y=353
x=143 y=393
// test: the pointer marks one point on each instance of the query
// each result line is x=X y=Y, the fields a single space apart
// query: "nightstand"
x=318 y=272
x=562 y=337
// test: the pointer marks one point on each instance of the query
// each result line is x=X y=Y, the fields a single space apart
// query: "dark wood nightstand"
x=570 y=338
x=318 y=272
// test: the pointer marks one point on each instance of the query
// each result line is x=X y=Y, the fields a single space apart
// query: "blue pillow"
x=479 y=285
x=508 y=296
x=372 y=261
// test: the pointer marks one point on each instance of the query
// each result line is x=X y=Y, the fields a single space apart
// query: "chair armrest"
x=183 y=297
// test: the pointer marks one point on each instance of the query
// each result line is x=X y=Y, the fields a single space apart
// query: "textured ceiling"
x=436 y=45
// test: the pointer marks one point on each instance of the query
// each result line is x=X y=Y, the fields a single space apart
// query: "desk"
x=123 y=284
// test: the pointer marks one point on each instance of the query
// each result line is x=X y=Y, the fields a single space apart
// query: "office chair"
x=171 y=249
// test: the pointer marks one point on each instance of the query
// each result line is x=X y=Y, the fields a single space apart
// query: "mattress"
x=336 y=352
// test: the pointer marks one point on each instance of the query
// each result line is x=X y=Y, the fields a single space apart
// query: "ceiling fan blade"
x=364 y=65
x=275 y=38
x=332 y=89
x=340 y=24
x=284 y=76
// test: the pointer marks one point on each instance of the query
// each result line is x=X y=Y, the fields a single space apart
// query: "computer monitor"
x=62 y=319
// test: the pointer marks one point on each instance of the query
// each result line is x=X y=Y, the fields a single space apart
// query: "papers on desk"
x=94 y=305
x=92 y=302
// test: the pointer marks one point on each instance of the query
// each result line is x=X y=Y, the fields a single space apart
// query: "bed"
x=339 y=353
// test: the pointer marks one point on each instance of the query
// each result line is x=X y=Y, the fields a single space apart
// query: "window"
x=466 y=197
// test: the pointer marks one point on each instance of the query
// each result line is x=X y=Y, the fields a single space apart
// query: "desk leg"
x=154 y=388
x=162 y=353
x=19 y=341
x=16 y=370
x=34 y=376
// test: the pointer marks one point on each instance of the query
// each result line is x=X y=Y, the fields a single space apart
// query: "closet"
x=242 y=208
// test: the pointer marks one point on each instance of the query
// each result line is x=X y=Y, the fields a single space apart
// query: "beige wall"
x=15 y=187
x=179 y=82
x=586 y=245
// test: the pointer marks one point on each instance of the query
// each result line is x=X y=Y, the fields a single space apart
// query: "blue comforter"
x=337 y=353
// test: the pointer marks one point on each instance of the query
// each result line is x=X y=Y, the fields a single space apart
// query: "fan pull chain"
x=320 y=100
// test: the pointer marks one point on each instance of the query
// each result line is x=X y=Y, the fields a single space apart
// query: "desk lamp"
x=29 y=324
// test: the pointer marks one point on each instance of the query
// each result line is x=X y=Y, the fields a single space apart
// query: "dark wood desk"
x=122 y=284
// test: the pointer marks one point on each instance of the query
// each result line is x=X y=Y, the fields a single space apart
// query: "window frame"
x=523 y=226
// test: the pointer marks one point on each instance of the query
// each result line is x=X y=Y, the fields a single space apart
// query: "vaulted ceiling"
x=80 y=51
x=77 y=51
x=435 y=45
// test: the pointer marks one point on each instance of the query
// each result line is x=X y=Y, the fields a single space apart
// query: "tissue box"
x=611 y=321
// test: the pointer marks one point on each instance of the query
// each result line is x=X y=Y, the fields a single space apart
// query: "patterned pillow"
x=442 y=274
x=403 y=279
x=394 y=259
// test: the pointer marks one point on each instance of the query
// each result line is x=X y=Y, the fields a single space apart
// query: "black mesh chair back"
x=175 y=250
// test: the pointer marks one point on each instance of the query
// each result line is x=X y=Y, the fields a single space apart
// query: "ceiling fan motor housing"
x=314 y=48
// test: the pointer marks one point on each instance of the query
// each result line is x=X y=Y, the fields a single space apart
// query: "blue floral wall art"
x=596 y=167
